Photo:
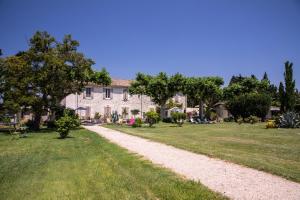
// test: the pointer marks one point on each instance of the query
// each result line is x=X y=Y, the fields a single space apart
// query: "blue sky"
x=196 y=38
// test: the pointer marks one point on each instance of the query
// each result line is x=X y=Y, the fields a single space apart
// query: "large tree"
x=160 y=88
x=246 y=94
x=46 y=73
x=248 y=104
x=139 y=87
x=203 y=90
x=287 y=92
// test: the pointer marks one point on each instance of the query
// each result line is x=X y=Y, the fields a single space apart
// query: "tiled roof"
x=116 y=83
x=121 y=82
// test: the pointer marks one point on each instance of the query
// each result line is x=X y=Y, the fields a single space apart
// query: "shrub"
x=213 y=116
x=178 y=118
x=271 y=124
x=167 y=120
x=289 y=120
x=66 y=123
x=152 y=117
x=252 y=119
x=249 y=104
x=229 y=119
x=239 y=120
x=137 y=123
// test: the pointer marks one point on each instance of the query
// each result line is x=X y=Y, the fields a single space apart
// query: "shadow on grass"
x=174 y=126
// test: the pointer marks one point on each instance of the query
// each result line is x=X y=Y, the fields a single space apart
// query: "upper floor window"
x=125 y=94
x=107 y=93
x=88 y=92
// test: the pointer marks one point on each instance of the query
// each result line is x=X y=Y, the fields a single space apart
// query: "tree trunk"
x=201 y=105
x=37 y=120
x=162 y=111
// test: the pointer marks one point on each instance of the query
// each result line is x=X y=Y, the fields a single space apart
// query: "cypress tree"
x=281 y=94
x=289 y=86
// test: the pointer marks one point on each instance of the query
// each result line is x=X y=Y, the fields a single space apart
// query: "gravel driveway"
x=232 y=180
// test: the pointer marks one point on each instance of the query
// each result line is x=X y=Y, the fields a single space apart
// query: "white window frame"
x=90 y=96
x=105 y=93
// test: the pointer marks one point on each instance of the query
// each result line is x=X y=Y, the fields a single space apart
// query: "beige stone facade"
x=114 y=98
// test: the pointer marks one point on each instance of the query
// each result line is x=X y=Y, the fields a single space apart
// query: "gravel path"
x=232 y=180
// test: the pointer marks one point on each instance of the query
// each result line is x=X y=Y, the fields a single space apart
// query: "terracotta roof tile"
x=121 y=82
x=117 y=83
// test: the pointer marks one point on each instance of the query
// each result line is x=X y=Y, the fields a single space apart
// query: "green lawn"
x=84 y=166
x=272 y=150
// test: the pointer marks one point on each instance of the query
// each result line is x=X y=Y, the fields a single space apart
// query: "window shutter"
x=92 y=92
x=111 y=93
x=103 y=93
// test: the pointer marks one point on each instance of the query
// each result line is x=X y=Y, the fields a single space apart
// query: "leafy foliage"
x=281 y=94
x=160 y=87
x=42 y=76
x=289 y=120
x=249 y=104
x=244 y=85
x=251 y=119
x=203 y=90
x=152 y=117
x=178 y=118
x=288 y=93
x=172 y=104
x=137 y=123
x=66 y=123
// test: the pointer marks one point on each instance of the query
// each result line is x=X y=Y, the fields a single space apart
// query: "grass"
x=272 y=150
x=84 y=166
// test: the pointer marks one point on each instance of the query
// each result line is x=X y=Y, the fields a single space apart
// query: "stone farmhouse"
x=113 y=98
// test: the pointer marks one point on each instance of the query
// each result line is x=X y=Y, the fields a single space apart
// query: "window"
x=125 y=94
x=107 y=93
x=88 y=92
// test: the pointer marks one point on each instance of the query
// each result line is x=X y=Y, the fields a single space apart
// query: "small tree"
x=178 y=118
x=152 y=117
x=66 y=123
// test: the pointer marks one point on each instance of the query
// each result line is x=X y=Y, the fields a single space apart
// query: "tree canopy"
x=42 y=76
x=160 y=87
x=202 y=90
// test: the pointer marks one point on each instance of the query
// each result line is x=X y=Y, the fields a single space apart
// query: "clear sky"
x=196 y=38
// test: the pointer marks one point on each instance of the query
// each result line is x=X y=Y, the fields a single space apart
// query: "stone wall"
x=88 y=106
